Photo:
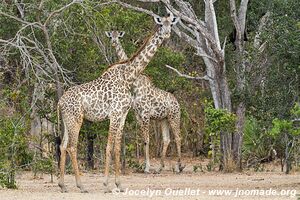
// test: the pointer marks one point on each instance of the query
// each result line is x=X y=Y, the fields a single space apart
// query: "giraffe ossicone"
x=107 y=97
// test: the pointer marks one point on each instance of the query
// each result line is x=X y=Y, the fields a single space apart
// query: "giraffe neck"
x=120 y=52
x=138 y=63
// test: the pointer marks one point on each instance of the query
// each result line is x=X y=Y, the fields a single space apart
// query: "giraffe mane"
x=144 y=44
x=148 y=78
x=146 y=75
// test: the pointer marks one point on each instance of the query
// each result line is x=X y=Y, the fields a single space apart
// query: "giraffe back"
x=152 y=102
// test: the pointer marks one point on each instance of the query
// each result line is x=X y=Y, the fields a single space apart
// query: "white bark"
x=242 y=14
x=211 y=21
x=206 y=78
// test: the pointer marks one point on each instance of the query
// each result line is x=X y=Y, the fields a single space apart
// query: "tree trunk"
x=238 y=136
x=225 y=103
x=287 y=159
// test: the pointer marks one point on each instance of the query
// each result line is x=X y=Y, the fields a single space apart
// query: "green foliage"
x=13 y=150
x=286 y=141
x=44 y=165
x=256 y=144
x=279 y=127
x=161 y=75
x=281 y=136
x=295 y=112
x=218 y=120
x=275 y=96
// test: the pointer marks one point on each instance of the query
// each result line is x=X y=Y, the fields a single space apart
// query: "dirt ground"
x=269 y=184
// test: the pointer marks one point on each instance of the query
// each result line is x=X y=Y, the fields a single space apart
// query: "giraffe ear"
x=175 y=20
x=158 y=20
x=121 y=33
x=108 y=34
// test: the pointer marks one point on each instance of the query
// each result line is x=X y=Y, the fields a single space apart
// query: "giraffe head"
x=166 y=24
x=114 y=36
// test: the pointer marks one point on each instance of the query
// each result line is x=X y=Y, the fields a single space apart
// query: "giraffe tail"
x=58 y=121
x=65 y=138
x=57 y=138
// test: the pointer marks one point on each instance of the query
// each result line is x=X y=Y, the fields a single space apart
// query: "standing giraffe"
x=151 y=102
x=108 y=97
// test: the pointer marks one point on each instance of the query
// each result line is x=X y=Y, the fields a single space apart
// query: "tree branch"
x=137 y=8
x=235 y=20
x=202 y=28
x=211 y=21
x=207 y=78
x=35 y=24
x=60 y=10
x=242 y=15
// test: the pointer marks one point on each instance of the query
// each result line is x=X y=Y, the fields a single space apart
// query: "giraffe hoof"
x=84 y=191
x=146 y=172
x=107 y=190
x=179 y=168
x=158 y=171
x=64 y=190
x=120 y=189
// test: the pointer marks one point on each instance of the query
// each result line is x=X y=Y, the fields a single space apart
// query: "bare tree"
x=37 y=57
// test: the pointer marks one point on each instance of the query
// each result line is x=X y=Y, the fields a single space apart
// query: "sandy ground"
x=188 y=185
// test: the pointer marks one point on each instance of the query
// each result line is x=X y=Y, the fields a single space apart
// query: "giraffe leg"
x=73 y=135
x=62 y=164
x=73 y=155
x=145 y=132
x=117 y=151
x=107 y=161
x=63 y=151
x=166 y=139
x=144 y=129
x=118 y=138
x=175 y=125
x=117 y=121
x=72 y=126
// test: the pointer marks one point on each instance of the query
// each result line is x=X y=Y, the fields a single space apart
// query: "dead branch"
x=137 y=8
x=188 y=76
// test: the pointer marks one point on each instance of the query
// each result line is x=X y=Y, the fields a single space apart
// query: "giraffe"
x=107 y=97
x=151 y=102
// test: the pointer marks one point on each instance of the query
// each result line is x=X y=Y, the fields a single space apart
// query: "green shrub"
x=14 y=152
